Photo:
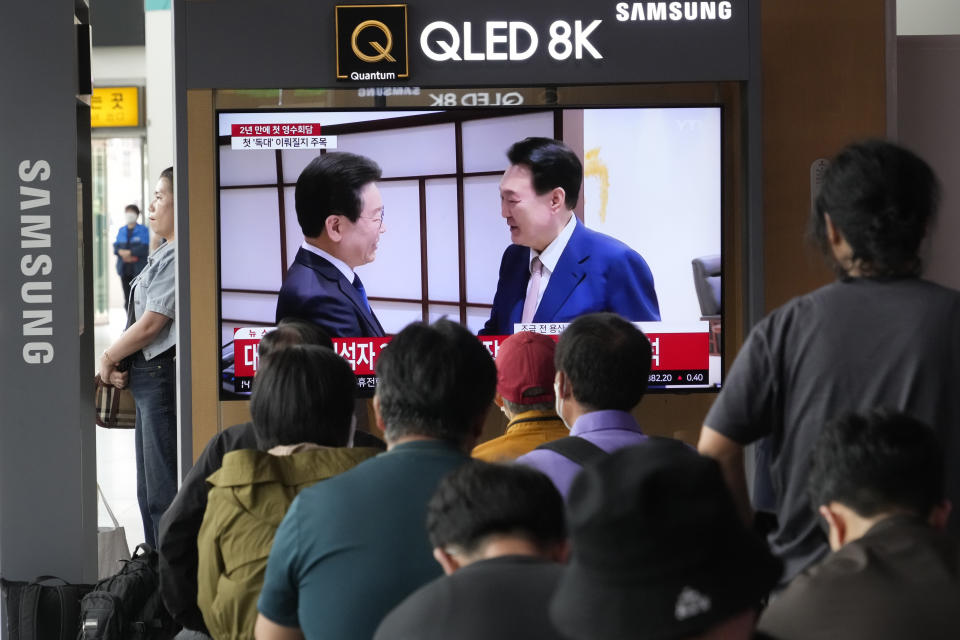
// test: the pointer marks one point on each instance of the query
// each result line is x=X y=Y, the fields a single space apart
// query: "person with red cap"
x=525 y=374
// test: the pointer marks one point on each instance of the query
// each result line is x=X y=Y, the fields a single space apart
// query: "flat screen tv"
x=652 y=179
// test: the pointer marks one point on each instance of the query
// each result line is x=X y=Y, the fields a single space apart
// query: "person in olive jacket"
x=302 y=409
x=181 y=522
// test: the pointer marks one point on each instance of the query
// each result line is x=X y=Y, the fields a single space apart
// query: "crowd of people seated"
x=574 y=523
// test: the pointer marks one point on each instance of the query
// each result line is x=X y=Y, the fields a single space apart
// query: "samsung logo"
x=36 y=292
x=673 y=11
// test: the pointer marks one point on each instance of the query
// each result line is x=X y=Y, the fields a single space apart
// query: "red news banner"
x=680 y=353
x=679 y=358
x=360 y=353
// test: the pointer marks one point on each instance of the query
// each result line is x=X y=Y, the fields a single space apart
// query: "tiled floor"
x=116 y=465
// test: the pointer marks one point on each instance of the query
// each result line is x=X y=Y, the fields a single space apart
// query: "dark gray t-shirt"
x=500 y=598
x=852 y=345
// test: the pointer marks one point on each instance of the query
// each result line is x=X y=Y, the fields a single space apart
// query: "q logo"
x=372 y=42
x=383 y=50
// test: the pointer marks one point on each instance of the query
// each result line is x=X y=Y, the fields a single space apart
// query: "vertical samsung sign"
x=36 y=264
x=47 y=440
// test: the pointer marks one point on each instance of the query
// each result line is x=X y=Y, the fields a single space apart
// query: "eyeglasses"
x=379 y=220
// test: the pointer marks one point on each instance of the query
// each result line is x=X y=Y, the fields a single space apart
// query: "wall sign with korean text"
x=115 y=107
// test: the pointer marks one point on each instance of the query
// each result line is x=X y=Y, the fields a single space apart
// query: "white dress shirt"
x=337 y=262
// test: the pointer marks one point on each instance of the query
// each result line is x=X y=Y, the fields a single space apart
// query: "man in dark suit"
x=558 y=269
x=341 y=214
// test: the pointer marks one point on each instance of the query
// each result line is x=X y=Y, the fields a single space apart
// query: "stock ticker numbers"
x=692 y=377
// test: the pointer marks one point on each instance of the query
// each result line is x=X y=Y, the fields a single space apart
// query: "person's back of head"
x=482 y=510
x=876 y=464
x=302 y=393
x=525 y=372
x=659 y=550
x=435 y=381
x=606 y=361
x=291 y=331
x=331 y=185
x=882 y=198
x=552 y=164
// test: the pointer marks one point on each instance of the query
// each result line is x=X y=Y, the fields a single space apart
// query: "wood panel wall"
x=824 y=85
x=204 y=327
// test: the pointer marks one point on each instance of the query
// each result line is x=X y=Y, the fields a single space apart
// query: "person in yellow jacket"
x=302 y=407
x=525 y=375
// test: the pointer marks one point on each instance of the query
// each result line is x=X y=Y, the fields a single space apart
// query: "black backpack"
x=128 y=604
x=36 y=611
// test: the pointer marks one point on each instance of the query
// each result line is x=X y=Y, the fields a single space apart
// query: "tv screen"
x=652 y=180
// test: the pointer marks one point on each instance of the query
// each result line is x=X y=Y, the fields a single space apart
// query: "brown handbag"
x=115 y=407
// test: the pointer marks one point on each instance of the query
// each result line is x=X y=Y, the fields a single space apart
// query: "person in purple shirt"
x=603 y=363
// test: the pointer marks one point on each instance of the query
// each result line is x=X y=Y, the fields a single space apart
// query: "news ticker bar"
x=366 y=385
x=680 y=355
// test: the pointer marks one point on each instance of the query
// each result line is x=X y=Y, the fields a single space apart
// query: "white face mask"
x=558 y=403
x=131 y=217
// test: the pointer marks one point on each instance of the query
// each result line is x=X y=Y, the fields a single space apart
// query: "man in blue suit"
x=558 y=269
x=341 y=214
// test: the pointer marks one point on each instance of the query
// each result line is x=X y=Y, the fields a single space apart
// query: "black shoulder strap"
x=29 y=606
x=575 y=448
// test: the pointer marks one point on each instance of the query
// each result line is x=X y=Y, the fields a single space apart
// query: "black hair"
x=331 y=184
x=877 y=462
x=882 y=198
x=132 y=207
x=291 y=331
x=479 y=499
x=168 y=175
x=606 y=360
x=434 y=380
x=302 y=393
x=552 y=164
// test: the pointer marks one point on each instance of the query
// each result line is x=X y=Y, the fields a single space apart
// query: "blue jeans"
x=154 y=387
